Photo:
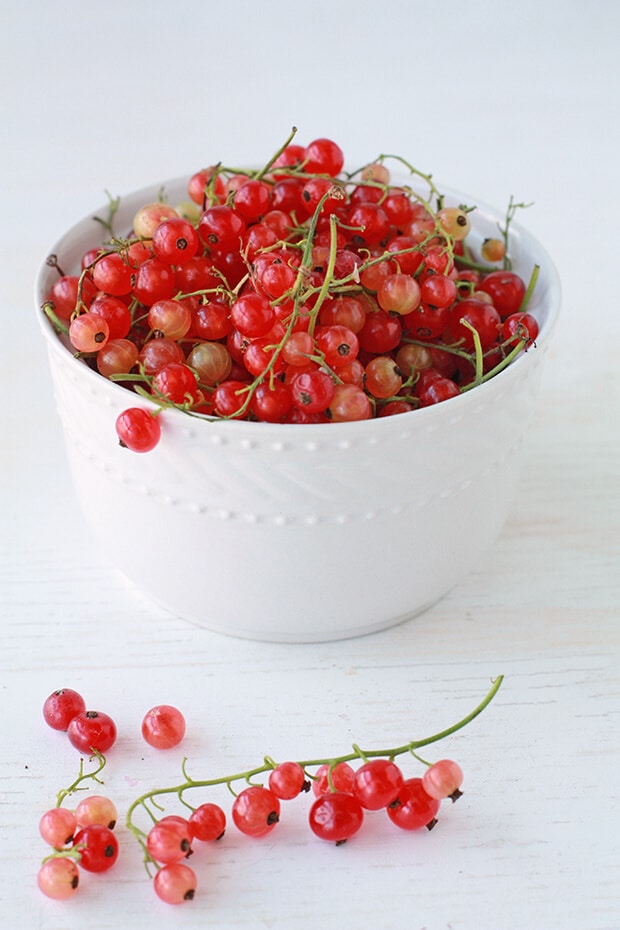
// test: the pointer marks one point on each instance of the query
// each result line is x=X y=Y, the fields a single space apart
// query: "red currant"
x=340 y=777
x=113 y=275
x=58 y=878
x=413 y=808
x=520 y=326
x=443 y=779
x=336 y=817
x=221 y=228
x=312 y=391
x=163 y=726
x=159 y=352
x=349 y=403
x=170 y=840
x=138 y=429
x=175 y=883
x=377 y=783
x=170 y=318
x=88 y=332
x=98 y=848
x=96 y=809
x=177 y=382
x=208 y=822
x=323 y=156
x=506 y=289
x=483 y=317
x=175 y=241
x=256 y=811
x=154 y=280
x=92 y=731
x=61 y=707
x=288 y=780
x=57 y=827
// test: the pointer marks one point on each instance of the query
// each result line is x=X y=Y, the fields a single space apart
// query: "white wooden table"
x=495 y=102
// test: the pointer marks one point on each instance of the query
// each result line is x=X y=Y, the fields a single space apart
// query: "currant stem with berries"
x=151 y=802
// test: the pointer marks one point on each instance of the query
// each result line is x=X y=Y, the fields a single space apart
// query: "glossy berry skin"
x=336 y=817
x=175 y=241
x=177 y=382
x=506 y=289
x=483 y=317
x=138 y=429
x=288 y=780
x=339 y=778
x=154 y=280
x=312 y=391
x=443 y=779
x=437 y=390
x=413 y=808
x=170 y=840
x=323 y=156
x=256 y=811
x=175 y=883
x=88 y=332
x=61 y=707
x=118 y=356
x=221 y=228
x=95 y=808
x=98 y=848
x=57 y=827
x=58 y=878
x=520 y=326
x=163 y=726
x=208 y=822
x=92 y=731
x=377 y=783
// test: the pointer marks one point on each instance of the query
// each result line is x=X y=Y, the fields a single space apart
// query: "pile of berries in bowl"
x=329 y=374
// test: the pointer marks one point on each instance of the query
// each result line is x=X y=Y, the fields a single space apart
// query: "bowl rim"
x=422 y=415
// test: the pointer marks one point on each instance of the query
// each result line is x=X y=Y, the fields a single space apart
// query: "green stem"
x=276 y=155
x=530 y=288
x=59 y=326
x=82 y=776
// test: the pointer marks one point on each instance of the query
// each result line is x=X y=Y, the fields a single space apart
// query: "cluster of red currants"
x=84 y=837
x=343 y=794
x=294 y=294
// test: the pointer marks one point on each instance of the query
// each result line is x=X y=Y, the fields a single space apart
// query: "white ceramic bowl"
x=300 y=533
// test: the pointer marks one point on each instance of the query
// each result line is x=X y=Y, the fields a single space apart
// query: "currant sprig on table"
x=297 y=293
x=345 y=789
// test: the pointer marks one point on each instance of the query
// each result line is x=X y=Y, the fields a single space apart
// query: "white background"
x=495 y=99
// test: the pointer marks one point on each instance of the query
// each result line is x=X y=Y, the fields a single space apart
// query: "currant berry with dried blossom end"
x=443 y=779
x=288 y=780
x=97 y=846
x=138 y=429
x=170 y=840
x=413 y=808
x=163 y=726
x=208 y=822
x=92 y=732
x=96 y=809
x=58 y=826
x=61 y=707
x=256 y=811
x=175 y=883
x=59 y=878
